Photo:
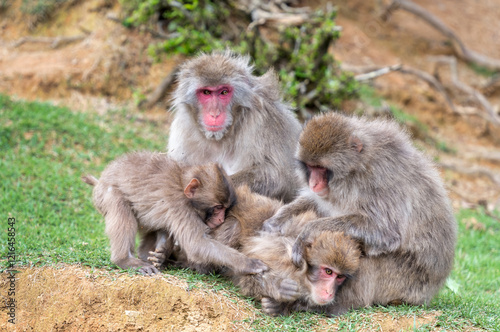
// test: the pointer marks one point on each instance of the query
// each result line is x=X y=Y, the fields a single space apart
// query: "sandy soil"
x=71 y=298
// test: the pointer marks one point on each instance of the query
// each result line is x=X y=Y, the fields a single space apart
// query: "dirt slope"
x=76 y=299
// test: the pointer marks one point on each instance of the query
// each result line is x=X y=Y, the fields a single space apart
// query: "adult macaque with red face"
x=225 y=114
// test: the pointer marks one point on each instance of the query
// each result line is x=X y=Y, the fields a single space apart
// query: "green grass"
x=45 y=149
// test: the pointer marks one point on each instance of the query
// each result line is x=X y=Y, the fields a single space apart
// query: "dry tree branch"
x=374 y=73
x=53 y=41
x=429 y=79
x=480 y=98
x=461 y=50
x=473 y=171
x=161 y=90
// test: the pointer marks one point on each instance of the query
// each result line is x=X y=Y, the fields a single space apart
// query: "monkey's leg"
x=264 y=179
x=148 y=243
x=121 y=228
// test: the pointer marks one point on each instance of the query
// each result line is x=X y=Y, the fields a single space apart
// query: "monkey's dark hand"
x=273 y=307
x=288 y=290
x=253 y=266
x=157 y=257
x=148 y=270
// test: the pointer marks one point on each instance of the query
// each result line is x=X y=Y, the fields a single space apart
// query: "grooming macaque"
x=243 y=220
x=329 y=260
x=163 y=200
x=365 y=178
x=225 y=114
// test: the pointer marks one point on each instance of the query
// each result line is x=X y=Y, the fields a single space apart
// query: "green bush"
x=310 y=75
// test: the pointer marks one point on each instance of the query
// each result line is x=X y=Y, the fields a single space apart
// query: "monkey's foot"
x=274 y=308
x=157 y=258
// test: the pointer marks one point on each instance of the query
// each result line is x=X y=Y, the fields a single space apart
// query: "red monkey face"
x=216 y=216
x=215 y=113
x=325 y=284
x=318 y=180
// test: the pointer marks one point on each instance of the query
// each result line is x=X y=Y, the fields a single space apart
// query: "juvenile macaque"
x=328 y=263
x=225 y=114
x=243 y=220
x=365 y=178
x=153 y=194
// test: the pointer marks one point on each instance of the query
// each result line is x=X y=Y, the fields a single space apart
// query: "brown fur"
x=386 y=194
x=152 y=194
x=256 y=146
x=284 y=284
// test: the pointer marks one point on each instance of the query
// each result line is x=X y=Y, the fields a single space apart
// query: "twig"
x=376 y=73
x=429 y=79
x=461 y=50
x=480 y=98
x=160 y=91
x=473 y=171
x=260 y=17
x=53 y=41
x=432 y=81
x=94 y=66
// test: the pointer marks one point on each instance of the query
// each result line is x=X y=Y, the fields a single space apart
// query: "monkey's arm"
x=376 y=237
x=191 y=233
x=268 y=180
x=287 y=212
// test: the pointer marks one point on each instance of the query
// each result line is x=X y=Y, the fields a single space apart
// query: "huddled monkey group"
x=341 y=213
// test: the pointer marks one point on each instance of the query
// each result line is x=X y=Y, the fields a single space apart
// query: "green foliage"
x=309 y=73
x=483 y=71
x=44 y=150
x=40 y=10
x=4 y=5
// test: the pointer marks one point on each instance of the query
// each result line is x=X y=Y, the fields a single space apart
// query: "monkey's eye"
x=328 y=271
x=218 y=207
x=207 y=92
x=224 y=92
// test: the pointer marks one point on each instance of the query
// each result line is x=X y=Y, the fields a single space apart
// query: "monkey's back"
x=143 y=179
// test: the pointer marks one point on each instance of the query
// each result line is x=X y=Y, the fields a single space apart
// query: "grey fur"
x=257 y=146
x=145 y=192
x=384 y=193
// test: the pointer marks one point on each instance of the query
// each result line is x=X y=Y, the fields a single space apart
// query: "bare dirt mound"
x=79 y=299
x=73 y=298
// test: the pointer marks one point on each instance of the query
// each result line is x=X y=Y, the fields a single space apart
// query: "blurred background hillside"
x=97 y=55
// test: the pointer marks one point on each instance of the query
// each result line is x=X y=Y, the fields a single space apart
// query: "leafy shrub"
x=310 y=75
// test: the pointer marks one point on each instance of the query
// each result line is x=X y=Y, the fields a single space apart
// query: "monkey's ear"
x=191 y=188
x=355 y=143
